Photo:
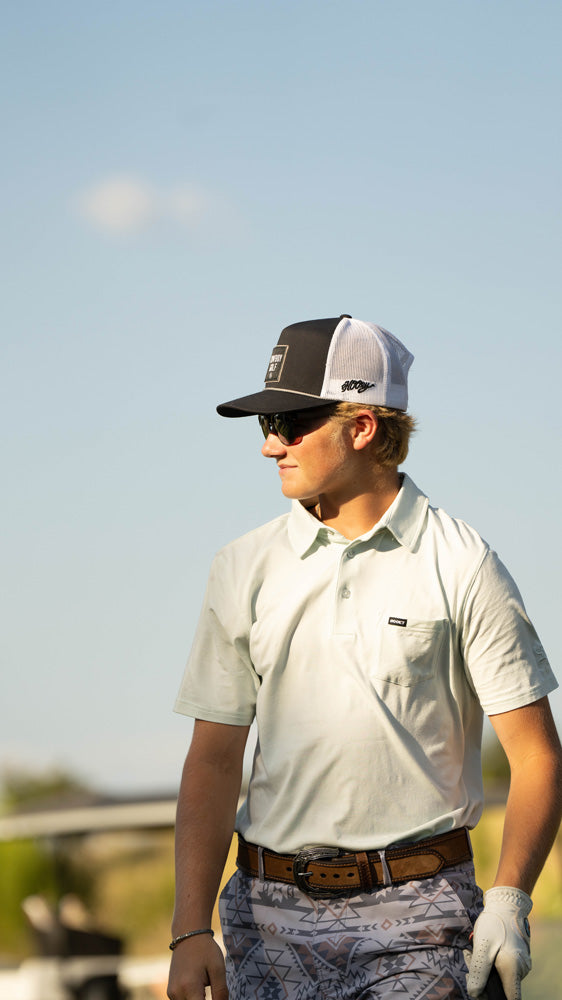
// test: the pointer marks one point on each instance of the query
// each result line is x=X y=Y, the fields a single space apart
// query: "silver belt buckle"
x=301 y=875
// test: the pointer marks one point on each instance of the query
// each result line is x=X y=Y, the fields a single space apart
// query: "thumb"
x=510 y=978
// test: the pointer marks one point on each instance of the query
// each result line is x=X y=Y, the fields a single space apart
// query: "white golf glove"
x=501 y=938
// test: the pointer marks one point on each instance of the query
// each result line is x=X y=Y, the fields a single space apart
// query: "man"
x=366 y=632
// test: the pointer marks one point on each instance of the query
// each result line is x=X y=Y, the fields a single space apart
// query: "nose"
x=272 y=447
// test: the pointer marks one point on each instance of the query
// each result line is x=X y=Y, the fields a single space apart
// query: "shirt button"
x=349 y=554
x=346 y=592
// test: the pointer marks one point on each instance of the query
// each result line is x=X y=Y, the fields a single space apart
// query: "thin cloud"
x=126 y=204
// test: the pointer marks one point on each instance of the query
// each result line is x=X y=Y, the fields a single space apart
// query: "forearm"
x=205 y=821
x=532 y=818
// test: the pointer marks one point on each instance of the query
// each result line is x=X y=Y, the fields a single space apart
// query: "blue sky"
x=179 y=182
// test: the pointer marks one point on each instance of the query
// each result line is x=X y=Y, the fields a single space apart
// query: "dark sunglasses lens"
x=283 y=425
x=264 y=424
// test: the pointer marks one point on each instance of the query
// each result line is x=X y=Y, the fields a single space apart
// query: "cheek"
x=332 y=457
x=336 y=445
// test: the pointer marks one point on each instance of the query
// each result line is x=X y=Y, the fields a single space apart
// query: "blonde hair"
x=391 y=442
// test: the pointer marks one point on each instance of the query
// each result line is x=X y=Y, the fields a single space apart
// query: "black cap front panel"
x=295 y=373
x=298 y=362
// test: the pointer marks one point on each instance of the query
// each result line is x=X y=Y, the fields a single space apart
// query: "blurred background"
x=180 y=180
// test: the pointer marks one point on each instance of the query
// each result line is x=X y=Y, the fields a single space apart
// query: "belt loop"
x=261 y=866
x=365 y=873
x=387 y=878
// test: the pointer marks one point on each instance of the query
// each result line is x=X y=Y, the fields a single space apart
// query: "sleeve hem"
x=521 y=699
x=211 y=715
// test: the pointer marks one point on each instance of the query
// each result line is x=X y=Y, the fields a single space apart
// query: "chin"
x=294 y=493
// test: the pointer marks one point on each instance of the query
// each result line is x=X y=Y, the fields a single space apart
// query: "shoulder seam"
x=478 y=567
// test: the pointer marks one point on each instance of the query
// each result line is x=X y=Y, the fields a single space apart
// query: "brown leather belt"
x=323 y=872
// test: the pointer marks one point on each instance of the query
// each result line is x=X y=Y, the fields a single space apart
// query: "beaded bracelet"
x=204 y=930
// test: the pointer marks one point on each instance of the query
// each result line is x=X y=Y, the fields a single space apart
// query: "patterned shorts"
x=403 y=942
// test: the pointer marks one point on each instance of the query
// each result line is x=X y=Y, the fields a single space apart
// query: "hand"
x=196 y=963
x=501 y=937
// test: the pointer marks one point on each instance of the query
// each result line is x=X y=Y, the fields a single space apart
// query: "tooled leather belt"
x=323 y=872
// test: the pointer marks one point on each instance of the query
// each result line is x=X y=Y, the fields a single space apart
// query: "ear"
x=364 y=429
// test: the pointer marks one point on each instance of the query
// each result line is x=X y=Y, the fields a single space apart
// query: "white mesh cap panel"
x=367 y=364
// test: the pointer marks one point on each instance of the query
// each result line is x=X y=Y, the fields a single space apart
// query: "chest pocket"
x=408 y=654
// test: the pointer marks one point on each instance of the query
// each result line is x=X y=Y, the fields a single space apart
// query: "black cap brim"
x=270 y=401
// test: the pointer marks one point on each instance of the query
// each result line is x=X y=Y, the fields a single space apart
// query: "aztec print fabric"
x=403 y=942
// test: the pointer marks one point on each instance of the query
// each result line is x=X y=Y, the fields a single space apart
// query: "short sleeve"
x=505 y=662
x=219 y=683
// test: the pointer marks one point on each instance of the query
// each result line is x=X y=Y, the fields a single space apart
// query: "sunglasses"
x=291 y=427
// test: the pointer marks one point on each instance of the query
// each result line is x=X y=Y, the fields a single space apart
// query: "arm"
x=534 y=805
x=206 y=812
x=534 y=808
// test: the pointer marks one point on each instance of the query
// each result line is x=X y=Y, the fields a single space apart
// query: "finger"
x=219 y=989
x=479 y=971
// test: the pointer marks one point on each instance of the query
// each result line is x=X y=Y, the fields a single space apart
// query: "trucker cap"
x=330 y=360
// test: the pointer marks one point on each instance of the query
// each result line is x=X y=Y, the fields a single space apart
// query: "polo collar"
x=406 y=515
x=404 y=519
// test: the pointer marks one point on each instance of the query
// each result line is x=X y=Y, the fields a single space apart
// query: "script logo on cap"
x=357 y=385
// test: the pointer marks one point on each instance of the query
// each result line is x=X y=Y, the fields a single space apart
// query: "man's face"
x=320 y=460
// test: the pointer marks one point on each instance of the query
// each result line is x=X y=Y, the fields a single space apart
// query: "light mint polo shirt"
x=367 y=665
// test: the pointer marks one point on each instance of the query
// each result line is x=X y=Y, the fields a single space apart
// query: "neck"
x=354 y=514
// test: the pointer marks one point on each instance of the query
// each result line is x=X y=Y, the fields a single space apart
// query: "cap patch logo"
x=275 y=366
x=357 y=385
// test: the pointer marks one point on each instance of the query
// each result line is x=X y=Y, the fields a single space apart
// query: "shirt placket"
x=344 y=602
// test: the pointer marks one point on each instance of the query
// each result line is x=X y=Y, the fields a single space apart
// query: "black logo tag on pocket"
x=398 y=621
